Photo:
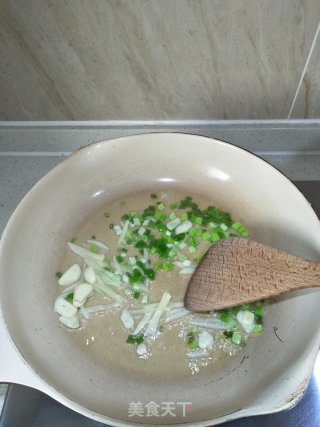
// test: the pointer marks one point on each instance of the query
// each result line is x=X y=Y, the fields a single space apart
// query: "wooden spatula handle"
x=237 y=266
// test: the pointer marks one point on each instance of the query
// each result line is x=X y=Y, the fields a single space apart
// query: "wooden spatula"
x=236 y=271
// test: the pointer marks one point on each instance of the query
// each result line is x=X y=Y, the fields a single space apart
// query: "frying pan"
x=268 y=375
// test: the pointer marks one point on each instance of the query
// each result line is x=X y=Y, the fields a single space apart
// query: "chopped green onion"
x=257 y=329
x=167 y=267
x=144 y=299
x=69 y=297
x=193 y=232
x=161 y=226
x=136 y=294
x=182 y=245
x=150 y=274
x=228 y=334
x=259 y=310
x=198 y=220
x=214 y=237
x=224 y=316
x=258 y=318
x=58 y=274
x=141 y=231
x=191 y=340
x=187 y=203
x=160 y=216
x=135 y=277
x=131 y=339
x=136 y=221
x=140 y=244
x=179 y=237
x=184 y=216
x=206 y=235
x=119 y=258
x=172 y=253
x=153 y=196
x=236 y=338
x=135 y=339
x=240 y=228
x=161 y=206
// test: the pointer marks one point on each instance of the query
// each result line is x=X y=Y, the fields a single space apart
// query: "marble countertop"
x=30 y=150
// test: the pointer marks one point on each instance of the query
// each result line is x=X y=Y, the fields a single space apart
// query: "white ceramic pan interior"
x=269 y=375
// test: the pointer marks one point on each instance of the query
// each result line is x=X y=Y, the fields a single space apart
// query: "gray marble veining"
x=137 y=59
x=307 y=103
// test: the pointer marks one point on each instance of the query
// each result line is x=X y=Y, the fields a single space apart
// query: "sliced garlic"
x=71 y=322
x=70 y=276
x=64 y=307
x=246 y=320
x=81 y=293
x=205 y=340
x=142 y=349
x=127 y=319
x=183 y=227
x=89 y=275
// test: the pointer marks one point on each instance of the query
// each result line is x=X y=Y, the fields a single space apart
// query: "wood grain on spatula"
x=236 y=271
